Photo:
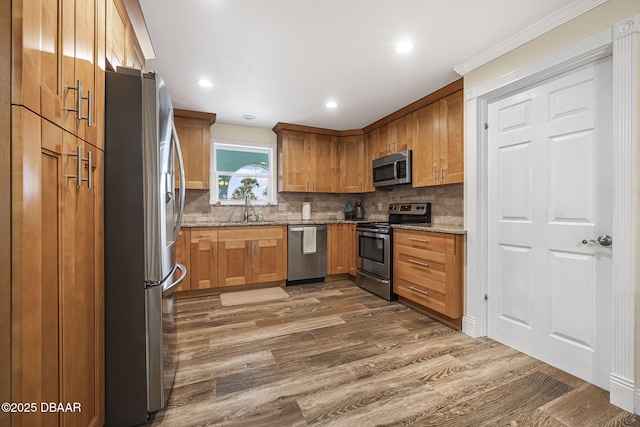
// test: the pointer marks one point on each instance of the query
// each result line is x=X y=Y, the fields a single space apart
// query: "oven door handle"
x=372 y=234
x=372 y=277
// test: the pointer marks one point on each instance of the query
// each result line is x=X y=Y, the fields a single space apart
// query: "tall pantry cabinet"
x=52 y=65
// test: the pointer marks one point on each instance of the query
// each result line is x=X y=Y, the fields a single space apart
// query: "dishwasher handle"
x=296 y=229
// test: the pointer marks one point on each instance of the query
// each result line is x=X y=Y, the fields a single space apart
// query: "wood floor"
x=334 y=355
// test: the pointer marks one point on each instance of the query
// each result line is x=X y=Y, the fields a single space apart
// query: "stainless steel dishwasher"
x=307 y=253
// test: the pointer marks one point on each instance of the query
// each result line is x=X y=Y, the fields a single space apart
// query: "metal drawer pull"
x=420 y=291
x=418 y=240
x=413 y=261
x=204 y=235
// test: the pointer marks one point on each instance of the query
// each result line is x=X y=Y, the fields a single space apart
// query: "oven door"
x=374 y=253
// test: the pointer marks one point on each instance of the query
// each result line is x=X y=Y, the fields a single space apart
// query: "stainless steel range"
x=375 y=247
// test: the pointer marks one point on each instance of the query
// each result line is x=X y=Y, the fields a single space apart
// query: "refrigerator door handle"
x=174 y=134
x=169 y=289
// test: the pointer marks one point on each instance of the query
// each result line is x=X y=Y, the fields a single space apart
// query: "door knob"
x=603 y=240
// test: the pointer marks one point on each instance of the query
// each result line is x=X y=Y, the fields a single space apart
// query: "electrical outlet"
x=282 y=206
x=379 y=207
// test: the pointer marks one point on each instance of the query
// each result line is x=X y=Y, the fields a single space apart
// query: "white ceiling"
x=282 y=60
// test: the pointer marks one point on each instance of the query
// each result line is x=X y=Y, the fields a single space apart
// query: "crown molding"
x=567 y=13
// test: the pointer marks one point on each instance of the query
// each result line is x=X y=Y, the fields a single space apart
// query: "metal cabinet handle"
x=80 y=98
x=415 y=239
x=90 y=115
x=79 y=159
x=78 y=109
x=413 y=261
x=89 y=179
x=78 y=156
x=204 y=235
x=603 y=240
x=420 y=291
x=442 y=174
x=435 y=175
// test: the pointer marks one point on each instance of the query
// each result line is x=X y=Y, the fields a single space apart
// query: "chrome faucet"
x=247 y=205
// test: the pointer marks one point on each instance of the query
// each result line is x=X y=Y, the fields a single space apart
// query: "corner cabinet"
x=428 y=273
x=352 y=164
x=307 y=162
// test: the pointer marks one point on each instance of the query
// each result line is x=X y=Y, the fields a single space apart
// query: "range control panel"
x=409 y=208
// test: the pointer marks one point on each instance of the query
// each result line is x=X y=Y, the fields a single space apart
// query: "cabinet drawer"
x=438 y=242
x=428 y=265
x=433 y=297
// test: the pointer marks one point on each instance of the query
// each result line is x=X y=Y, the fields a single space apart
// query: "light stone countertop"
x=437 y=228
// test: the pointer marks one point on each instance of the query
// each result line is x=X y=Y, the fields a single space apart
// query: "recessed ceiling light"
x=332 y=104
x=248 y=117
x=205 y=83
x=404 y=47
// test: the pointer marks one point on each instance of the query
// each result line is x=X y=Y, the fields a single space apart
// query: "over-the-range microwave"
x=392 y=170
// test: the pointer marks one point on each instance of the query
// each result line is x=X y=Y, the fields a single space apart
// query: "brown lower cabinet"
x=57 y=274
x=232 y=256
x=428 y=272
x=341 y=249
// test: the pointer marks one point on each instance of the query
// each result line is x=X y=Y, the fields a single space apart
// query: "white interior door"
x=550 y=188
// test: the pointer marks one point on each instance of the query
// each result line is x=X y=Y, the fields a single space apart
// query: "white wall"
x=243 y=133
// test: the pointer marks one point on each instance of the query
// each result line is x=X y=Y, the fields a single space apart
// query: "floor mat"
x=253 y=296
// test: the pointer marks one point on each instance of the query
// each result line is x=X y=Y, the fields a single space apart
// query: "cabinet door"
x=58 y=279
x=371 y=141
x=339 y=248
x=352 y=164
x=234 y=264
x=294 y=158
x=194 y=137
x=324 y=163
x=38 y=181
x=81 y=295
x=401 y=134
x=269 y=252
x=383 y=142
x=351 y=243
x=203 y=257
x=426 y=147
x=183 y=256
x=451 y=139
x=117 y=24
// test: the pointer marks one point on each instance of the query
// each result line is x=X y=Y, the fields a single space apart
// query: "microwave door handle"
x=174 y=135
x=395 y=170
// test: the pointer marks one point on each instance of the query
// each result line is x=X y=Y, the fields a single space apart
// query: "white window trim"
x=248 y=145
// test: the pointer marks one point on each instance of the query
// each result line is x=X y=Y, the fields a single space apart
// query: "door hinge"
x=486 y=297
x=486 y=126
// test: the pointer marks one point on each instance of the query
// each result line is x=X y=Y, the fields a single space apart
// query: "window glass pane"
x=233 y=160
x=241 y=170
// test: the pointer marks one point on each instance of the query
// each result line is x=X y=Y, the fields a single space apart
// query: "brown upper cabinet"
x=438 y=154
x=307 y=162
x=62 y=79
x=194 y=132
x=432 y=127
x=123 y=48
x=396 y=136
x=352 y=164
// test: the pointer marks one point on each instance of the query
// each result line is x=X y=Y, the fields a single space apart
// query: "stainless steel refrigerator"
x=143 y=212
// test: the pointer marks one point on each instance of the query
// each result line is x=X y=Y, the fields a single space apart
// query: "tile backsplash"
x=446 y=205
